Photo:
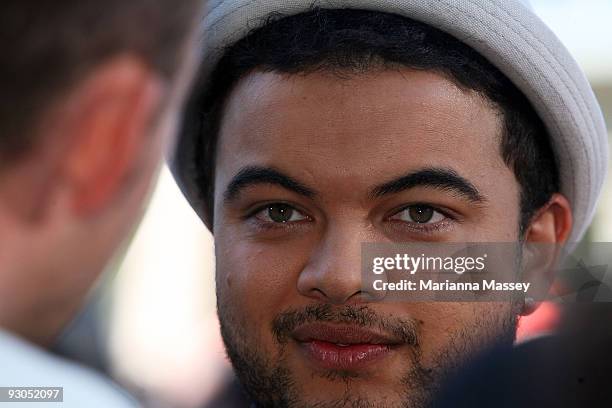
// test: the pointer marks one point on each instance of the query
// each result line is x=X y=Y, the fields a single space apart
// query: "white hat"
x=506 y=32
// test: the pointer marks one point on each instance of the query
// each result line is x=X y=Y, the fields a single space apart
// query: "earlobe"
x=116 y=108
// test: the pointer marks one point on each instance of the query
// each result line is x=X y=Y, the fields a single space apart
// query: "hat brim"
x=506 y=32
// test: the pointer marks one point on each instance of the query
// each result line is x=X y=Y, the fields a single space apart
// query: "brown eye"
x=280 y=214
x=419 y=214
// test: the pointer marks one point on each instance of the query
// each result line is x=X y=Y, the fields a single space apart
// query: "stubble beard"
x=270 y=383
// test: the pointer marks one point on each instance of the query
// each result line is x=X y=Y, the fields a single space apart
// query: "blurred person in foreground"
x=568 y=369
x=315 y=129
x=91 y=92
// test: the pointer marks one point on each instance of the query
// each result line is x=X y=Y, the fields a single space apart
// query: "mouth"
x=344 y=347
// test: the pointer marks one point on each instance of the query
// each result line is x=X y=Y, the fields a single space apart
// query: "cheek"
x=457 y=330
x=255 y=280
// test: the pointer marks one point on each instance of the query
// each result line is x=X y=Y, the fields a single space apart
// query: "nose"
x=333 y=273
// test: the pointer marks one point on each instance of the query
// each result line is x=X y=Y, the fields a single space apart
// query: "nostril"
x=366 y=296
x=318 y=294
x=332 y=273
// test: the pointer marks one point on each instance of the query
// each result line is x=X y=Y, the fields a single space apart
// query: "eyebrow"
x=254 y=175
x=440 y=178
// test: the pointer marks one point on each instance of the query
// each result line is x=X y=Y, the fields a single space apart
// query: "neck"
x=36 y=298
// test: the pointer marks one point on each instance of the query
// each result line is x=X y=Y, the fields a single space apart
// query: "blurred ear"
x=112 y=113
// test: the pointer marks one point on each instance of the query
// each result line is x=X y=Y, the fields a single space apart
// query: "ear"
x=548 y=230
x=112 y=117
x=552 y=223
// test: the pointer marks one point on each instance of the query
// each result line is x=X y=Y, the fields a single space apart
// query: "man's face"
x=308 y=168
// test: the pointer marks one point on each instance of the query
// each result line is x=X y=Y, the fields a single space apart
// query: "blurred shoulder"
x=25 y=365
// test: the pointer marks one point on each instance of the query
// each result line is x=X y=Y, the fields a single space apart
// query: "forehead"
x=359 y=128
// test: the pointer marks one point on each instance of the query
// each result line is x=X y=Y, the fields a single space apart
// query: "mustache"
x=364 y=316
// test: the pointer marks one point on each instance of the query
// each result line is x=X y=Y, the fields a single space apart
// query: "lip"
x=344 y=347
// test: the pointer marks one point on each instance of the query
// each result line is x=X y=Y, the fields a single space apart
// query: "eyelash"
x=263 y=225
x=421 y=227
x=425 y=228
